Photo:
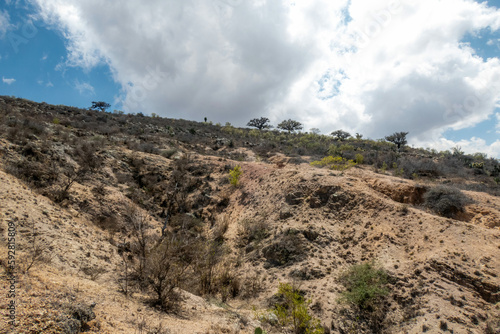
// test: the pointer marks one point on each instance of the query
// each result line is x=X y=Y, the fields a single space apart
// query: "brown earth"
x=444 y=273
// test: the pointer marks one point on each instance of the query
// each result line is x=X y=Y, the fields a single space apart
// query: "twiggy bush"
x=38 y=250
x=166 y=266
x=252 y=230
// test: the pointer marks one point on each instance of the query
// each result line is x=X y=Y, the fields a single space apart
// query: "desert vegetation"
x=319 y=233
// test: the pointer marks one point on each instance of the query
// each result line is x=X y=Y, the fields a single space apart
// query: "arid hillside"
x=133 y=224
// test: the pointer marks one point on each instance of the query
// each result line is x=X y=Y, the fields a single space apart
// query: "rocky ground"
x=287 y=221
x=444 y=272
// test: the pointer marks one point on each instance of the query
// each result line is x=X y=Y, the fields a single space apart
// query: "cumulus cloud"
x=469 y=146
x=367 y=66
x=8 y=81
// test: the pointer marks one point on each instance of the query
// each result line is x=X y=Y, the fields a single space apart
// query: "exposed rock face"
x=401 y=192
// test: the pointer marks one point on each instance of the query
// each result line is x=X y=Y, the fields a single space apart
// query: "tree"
x=100 y=105
x=340 y=135
x=260 y=123
x=398 y=138
x=290 y=125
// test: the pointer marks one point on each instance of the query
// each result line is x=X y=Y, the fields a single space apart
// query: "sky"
x=374 y=67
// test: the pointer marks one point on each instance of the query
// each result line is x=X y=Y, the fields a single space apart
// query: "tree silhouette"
x=340 y=135
x=259 y=123
x=398 y=138
x=290 y=125
x=100 y=105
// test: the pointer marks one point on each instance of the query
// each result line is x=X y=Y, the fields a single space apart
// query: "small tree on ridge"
x=100 y=105
x=340 y=135
x=290 y=125
x=260 y=123
x=398 y=138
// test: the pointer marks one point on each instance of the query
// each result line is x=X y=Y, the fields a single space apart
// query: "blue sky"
x=368 y=66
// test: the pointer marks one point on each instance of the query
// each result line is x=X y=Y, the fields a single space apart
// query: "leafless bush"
x=138 y=223
x=252 y=230
x=71 y=176
x=86 y=156
x=38 y=250
x=167 y=264
x=252 y=285
x=220 y=228
x=143 y=327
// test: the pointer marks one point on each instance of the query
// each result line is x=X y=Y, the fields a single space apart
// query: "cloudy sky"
x=429 y=67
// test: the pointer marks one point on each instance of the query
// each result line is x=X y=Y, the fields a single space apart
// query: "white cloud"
x=469 y=146
x=498 y=122
x=79 y=86
x=386 y=66
x=83 y=87
x=4 y=23
x=8 y=81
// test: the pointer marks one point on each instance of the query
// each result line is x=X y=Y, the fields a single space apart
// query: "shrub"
x=253 y=230
x=446 y=201
x=416 y=167
x=234 y=175
x=335 y=163
x=365 y=285
x=384 y=167
x=359 y=159
x=293 y=311
x=166 y=267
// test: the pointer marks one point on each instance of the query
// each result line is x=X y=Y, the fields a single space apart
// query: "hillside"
x=99 y=200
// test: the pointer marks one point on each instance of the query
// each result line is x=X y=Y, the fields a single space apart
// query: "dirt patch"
x=400 y=191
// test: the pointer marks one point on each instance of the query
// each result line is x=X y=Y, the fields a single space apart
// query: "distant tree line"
x=289 y=125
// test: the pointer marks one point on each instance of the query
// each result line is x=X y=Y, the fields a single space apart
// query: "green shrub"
x=359 y=159
x=234 y=176
x=446 y=201
x=293 y=311
x=364 y=284
x=335 y=163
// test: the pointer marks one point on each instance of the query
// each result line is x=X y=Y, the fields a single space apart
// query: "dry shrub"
x=252 y=231
x=252 y=285
x=220 y=228
x=446 y=201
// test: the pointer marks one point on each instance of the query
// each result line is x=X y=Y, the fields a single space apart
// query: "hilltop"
x=100 y=199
